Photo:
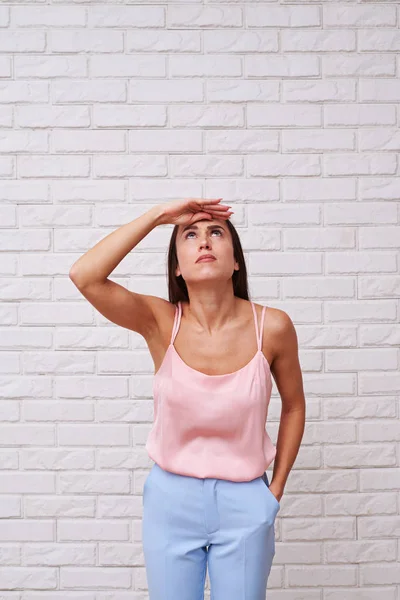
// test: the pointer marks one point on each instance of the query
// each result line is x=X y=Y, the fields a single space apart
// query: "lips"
x=206 y=258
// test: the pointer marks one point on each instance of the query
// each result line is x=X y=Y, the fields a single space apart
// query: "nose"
x=204 y=239
x=205 y=244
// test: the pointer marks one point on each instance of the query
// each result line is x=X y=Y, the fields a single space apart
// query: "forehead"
x=210 y=225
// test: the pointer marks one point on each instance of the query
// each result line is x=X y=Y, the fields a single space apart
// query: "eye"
x=212 y=231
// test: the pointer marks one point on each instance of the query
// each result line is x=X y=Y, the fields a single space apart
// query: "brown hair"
x=177 y=290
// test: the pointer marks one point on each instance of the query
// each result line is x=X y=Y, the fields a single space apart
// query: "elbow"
x=72 y=272
x=74 y=277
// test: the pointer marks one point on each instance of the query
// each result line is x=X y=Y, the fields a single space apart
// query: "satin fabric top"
x=212 y=425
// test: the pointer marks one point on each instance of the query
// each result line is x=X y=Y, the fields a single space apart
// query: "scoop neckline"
x=222 y=375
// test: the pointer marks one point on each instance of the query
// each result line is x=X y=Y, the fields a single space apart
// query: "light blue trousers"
x=190 y=523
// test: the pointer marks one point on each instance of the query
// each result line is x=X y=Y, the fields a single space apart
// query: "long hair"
x=177 y=290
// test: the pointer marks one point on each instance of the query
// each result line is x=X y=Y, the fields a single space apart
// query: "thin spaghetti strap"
x=177 y=320
x=262 y=327
x=255 y=324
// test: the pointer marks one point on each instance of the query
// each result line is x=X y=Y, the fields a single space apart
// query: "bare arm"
x=90 y=275
x=98 y=262
x=90 y=272
x=288 y=377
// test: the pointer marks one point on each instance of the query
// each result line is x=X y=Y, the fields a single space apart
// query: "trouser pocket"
x=265 y=481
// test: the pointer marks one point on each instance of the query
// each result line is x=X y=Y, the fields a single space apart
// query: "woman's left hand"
x=277 y=492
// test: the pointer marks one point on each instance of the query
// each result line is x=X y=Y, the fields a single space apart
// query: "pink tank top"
x=212 y=425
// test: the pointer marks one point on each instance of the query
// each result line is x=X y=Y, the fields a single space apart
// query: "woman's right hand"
x=190 y=210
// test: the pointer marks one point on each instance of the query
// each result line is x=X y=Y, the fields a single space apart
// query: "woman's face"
x=205 y=237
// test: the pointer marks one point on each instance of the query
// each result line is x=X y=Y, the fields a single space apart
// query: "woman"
x=207 y=499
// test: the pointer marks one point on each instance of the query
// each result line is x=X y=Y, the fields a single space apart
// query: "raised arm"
x=138 y=312
x=90 y=275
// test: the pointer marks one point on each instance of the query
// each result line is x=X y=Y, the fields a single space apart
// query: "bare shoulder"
x=275 y=319
x=285 y=365
x=164 y=312
x=279 y=334
x=278 y=320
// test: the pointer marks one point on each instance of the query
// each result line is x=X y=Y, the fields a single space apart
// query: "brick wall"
x=290 y=112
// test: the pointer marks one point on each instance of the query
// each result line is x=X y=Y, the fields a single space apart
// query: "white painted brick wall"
x=290 y=112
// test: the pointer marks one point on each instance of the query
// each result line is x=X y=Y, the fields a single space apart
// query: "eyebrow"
x=196 y=227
